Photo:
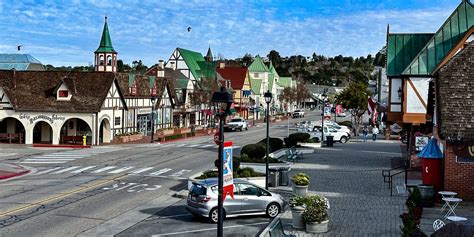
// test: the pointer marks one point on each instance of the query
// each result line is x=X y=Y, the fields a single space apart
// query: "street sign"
x=216 y=138
x=228 y=171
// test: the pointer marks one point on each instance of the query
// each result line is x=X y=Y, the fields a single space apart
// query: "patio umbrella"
x=431 y=150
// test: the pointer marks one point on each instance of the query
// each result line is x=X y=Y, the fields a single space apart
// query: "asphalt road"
x=118 y=189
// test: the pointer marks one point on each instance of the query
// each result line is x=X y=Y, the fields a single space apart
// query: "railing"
x=399 y=166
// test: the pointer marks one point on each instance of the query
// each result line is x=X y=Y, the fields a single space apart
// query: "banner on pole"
x=228 y=171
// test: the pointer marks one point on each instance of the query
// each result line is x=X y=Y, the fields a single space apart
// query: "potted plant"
x=300 y=184
x=315 y=214
x=297 y=204
x=415 y=204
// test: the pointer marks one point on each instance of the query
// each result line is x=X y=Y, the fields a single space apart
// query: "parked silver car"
x=249 y=199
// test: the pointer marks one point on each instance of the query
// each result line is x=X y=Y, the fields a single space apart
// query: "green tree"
x=354 y=98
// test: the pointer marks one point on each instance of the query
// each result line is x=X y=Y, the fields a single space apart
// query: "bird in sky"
x=189 y=29
x=19 y=47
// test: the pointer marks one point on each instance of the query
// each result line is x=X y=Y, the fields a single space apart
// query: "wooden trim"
x=454 y=50
x=414 y=118
x=417 y=93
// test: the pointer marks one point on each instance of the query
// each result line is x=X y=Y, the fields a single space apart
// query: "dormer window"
x=255 y=75
x=63 y=93
x=101 y=60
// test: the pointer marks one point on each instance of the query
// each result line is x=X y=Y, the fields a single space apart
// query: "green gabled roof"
x=258 y=65
x=402 y=49
x=105 y=45
x=255 y=84
x=273 y=70
x=271 y=78
x=191 y=59
x=207 y=69
x=284 y=82
x=443 y=41
x=181 y=83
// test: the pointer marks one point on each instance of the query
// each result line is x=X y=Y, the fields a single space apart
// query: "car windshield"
x=235 y=120
x=197 y=190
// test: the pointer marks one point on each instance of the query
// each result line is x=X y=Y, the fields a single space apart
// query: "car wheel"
x=343 y=139
x=273 y=209
x=214 y=216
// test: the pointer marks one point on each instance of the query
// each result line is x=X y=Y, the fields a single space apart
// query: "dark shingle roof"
x=456 y=96
x=236 y=76
x=34 y=91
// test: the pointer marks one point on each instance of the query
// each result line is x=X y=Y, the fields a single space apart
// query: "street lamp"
x=152 y=117
x=323 y=97
x=400 y=93
x=268 y=99
x=221 y=98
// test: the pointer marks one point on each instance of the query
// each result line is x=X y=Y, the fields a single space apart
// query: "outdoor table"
x=456 y=218
x=451 y=203
x=446 y=194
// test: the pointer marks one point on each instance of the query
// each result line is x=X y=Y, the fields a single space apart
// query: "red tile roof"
x=236 y=76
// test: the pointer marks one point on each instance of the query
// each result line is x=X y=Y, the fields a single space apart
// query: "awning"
x=431 y=150
x=246 y=92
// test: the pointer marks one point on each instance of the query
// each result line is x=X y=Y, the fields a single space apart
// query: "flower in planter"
x=296 y=201
x=300 y=179
x=316 y=210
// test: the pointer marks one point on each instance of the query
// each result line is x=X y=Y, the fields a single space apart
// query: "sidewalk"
x=10 y=170
x=350 y=176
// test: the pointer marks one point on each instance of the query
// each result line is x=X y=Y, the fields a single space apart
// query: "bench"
x=298 y=154
x=274 y=229
x=290 y=156
x=72 y=139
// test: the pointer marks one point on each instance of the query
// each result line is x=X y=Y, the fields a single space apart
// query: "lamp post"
x=323 y=97
x=222 y=97
x=268 y=99
x=152 y=117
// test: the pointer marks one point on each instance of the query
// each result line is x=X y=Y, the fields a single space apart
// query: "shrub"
x=294 y=138
x=316 y=209
x=208 y=174
x=275 y=143
x=254 y=151
x=238 y=173
x=296 y=200
x=235 y=163
x=414 y=199
x=300 y=179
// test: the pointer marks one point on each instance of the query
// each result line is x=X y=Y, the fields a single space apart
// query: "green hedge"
x=245 y=158
x=239 y=173
x=294 y=138
x=253 y=151
x=275 y=143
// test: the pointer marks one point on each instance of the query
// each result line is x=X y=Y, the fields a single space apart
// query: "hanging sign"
x=228 y=169
x=421 y=142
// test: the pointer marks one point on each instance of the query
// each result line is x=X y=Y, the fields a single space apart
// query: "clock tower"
x=105 y=55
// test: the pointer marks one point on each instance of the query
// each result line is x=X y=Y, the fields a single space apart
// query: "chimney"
x=160 y=69
x=222 y=65
x=173 y=65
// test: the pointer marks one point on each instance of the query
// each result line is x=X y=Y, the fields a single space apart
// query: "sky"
x=66 y=33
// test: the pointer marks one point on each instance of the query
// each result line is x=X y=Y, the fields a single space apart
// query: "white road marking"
x=180 y=145
x=191 y=146
x=122 y=169
x=207 y=145
x=180 y=173
x=61 y=155
x=160 y=171
x=206 y=229
x=48 y=170
x=104 y=169
x=8 y=154
x=43 y=162
x=141 y=170
x=82 y=170
x=66 y=170
x=46 y=159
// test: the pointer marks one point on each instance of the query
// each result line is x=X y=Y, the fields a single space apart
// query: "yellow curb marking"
x=63 y=195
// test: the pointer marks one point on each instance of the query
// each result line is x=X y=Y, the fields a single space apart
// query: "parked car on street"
x=337 y=126
x=298 y=113
x=236 y=124
x=249 y=199
x=338 y=135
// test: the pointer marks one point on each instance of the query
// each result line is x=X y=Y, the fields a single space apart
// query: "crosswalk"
x=114 y=170
x=67 y=156
x=189 y=145
x=7 y=154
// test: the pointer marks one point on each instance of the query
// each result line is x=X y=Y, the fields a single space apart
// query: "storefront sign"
x=144 y=111
x=395 y=128
x=228 y=171
x=464 y=152
x=420 y=142
x=50 y=119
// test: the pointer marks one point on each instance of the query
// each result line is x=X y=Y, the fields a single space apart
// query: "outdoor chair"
x=298 y=154
x=290 y=156
x=438 y=224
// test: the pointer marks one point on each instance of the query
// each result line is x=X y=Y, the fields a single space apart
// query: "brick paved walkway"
x=350 y=176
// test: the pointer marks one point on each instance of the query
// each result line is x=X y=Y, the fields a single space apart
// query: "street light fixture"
x=323 y=97
x=152 y=117
x=221 y=98
x=400 y=93
x=268 y=99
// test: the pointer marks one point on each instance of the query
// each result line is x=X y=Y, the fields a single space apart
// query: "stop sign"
x=216 y=138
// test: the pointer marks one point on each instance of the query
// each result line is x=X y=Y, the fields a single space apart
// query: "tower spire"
x=209 y=55
x=105 y=55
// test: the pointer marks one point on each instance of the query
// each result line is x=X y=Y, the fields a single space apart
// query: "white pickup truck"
x=236 y=124
x=338 y=135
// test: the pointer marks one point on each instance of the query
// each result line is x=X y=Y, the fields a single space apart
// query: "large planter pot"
x=166 y=132
x=124 y=139
x=316 y=227
x=300 y=190
x=297 y=218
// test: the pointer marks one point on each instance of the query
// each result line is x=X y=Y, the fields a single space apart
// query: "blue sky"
x=68 y=32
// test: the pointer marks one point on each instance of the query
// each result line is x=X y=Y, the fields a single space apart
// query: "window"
x=101 y=60
x=63 y=93
x=255 y=75
x=117 y=121
x=133 y=90
x=247 y=189
x=109 y=60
